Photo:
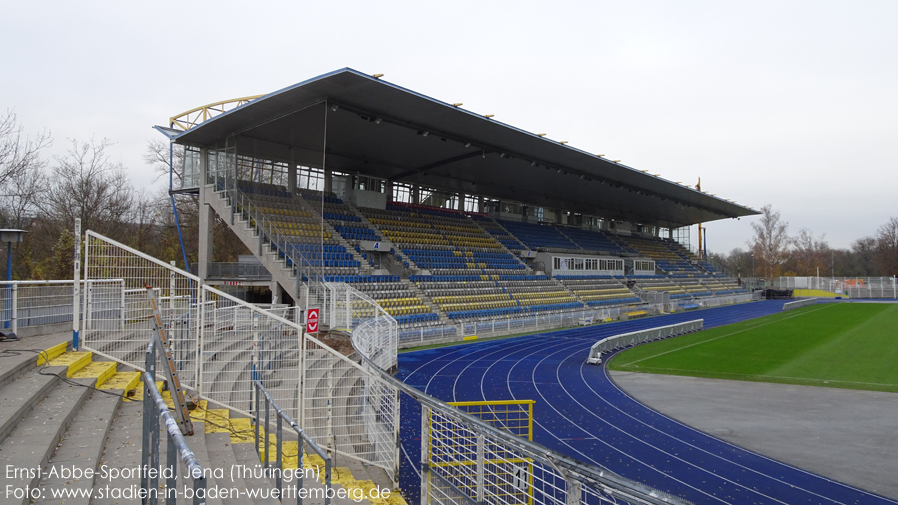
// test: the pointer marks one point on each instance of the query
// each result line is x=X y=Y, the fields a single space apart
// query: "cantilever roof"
x=375 y=128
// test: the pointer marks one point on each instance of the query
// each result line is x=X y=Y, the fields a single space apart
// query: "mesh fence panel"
x=242 y=343
x=348 y=408
x=116 y=320
x=466 y=462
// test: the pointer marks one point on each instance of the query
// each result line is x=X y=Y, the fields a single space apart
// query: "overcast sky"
x=784 y=103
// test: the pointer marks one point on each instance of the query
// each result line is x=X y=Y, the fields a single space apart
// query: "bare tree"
x=738 y=262
x=21 y=171
x=771 y=241
x=886 y=256
x=810 y=252
x=86 y=184
x=159 y=154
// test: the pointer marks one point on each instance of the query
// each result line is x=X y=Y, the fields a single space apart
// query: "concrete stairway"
x=249 y=235
x=71 y=429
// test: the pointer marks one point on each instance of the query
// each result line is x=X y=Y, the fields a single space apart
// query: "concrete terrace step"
x=246 y=455
x=30 y=445
x=197 y=444
x=122 y=450
x=19 y=397
x=221 y=456
x=80 y=448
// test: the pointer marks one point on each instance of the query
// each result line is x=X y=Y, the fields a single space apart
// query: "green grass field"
x=842 y=345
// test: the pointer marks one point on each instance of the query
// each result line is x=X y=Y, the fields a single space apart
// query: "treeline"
x=774 y=252
x=43 y=195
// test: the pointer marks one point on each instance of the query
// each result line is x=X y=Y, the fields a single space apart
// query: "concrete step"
x=80 y=450
x=246 y=455
x=30 y=445
x=222 y=458
x=122 y=450
x=19 y=397
x=197 y=444
x=14 y=363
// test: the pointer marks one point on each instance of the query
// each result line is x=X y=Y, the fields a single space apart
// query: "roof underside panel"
x=378 y=129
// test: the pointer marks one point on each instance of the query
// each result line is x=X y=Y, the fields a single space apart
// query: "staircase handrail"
x=155 y=410
x=267 y=231
x=282 y=417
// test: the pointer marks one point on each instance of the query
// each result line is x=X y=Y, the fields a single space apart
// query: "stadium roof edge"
x=513 y=164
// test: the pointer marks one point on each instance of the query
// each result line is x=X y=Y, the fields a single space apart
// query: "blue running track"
x=580 y=412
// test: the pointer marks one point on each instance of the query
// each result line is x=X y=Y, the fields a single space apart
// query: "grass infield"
x=840 y=345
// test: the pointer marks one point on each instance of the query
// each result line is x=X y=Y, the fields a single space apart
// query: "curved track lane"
x=582 y=413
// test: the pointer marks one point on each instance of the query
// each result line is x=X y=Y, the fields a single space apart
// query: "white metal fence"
x=710 y=302
x=221 y=345
x=348 y=308
x=409 y=337
x=640 y=337
x=853 y=287
x=31 y=304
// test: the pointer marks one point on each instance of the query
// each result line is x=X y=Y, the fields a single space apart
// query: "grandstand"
x=441 y=214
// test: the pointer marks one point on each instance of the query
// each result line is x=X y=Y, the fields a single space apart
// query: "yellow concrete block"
x=138 y=393
x=100 y=370
x=243 y=431
x=217 y=421
x=342 y=475
x=472 y=337
x=126 y=381
x=75 y=361
x=199 y=413
x=166 y=397
x=51 y=353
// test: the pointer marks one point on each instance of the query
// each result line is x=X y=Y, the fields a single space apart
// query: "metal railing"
x=614 y=342
x=234 y=271
x=262 y=396
x=226 y=345
x=465 y=460
x=710 y=302
x=854 y=287
x=30 y=304
x=221 y=345
x=222 y=174
x=799 y=304
x=409 y=337
x=155 y=411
